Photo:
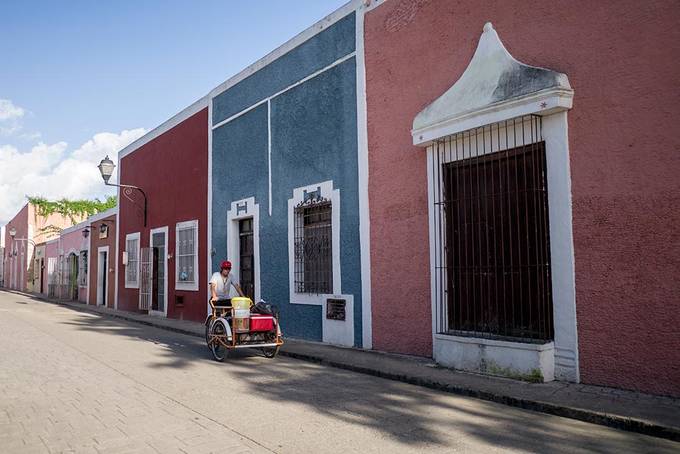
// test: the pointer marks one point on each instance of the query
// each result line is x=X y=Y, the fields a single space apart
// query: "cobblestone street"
x=77 y=382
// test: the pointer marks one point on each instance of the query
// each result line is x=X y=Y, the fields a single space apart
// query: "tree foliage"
x=72 y=209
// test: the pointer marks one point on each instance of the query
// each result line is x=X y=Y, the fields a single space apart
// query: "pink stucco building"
x=73 y=250
x=535 y=210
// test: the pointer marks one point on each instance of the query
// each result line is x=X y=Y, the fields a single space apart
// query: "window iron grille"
x=492 y=245
x=52 y=277
x=82 y=270
x=313 y=246
x=145 y=278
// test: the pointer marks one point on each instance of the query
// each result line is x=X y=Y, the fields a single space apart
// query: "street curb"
x=593 y=417
x=603 y=419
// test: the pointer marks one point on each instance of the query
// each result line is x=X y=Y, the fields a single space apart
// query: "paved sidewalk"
x=651 y=415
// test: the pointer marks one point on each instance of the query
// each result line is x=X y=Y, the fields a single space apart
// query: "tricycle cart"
x=233 y=325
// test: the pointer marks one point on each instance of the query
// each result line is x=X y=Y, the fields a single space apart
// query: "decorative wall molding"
x=494 y=87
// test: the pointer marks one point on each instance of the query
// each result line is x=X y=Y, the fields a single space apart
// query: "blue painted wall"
x=239 y=170
x=314 y=139
x=330 y=45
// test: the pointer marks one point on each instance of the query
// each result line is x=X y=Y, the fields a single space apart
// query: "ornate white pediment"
x=494 y=87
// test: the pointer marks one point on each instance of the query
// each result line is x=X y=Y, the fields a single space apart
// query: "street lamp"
x=13 y=233
x=106 y=167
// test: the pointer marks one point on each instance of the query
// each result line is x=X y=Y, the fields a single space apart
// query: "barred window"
x=52 y=270
x=82 y=269
x=186 y=253
x=132 y=267
x=52 y=277
x=313 y=246
x=492 y=233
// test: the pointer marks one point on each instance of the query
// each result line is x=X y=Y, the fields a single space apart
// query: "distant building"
x=30 y=229
x=3 y=259
x=72 y=263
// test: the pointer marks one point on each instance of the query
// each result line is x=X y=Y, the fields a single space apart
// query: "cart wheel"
x=270 y=352
x=218 y=350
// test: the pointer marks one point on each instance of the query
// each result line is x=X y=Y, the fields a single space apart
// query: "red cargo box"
x=261 y=322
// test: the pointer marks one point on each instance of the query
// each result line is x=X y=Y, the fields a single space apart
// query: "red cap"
x=226 y=264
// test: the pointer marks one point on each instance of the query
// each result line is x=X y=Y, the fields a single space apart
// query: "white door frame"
x=164 y=312
x=249 y=209
x=101 y=272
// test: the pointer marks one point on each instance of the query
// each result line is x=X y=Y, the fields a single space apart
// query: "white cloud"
x=30 y=136
x=8 y=111
x=10 y=117
x=10 y=129
x=53 y=172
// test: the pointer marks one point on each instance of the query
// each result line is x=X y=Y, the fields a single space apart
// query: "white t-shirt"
x=222 y=284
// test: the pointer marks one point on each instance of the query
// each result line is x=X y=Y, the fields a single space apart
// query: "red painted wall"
x=173 y=171
x=95 y=244
x=621 y=59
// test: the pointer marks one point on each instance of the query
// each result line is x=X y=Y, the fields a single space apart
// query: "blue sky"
x=71 y=71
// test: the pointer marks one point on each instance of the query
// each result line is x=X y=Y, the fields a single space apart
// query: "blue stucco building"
x=284 y=199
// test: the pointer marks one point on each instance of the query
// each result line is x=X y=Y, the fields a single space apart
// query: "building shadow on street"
x=416 y=417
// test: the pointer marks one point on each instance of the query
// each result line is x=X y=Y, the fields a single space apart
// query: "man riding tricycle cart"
x=236 y=322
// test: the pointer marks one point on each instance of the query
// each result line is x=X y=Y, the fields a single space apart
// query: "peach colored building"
x=30 y=228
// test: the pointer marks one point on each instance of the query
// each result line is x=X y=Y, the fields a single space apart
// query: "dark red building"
x=170 y=165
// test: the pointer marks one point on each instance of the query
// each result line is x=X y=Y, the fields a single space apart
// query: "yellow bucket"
x=241 y=307
x=241 y=302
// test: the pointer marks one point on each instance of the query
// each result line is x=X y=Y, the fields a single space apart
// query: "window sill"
x=311 y=299
x=532 y=346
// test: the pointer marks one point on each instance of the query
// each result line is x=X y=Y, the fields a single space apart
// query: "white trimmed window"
x=314 y=243
x=132 y=265
x=499 y=190
x=313 y=246
x=186 y=255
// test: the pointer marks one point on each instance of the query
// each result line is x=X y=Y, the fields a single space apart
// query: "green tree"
x=72 y=209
